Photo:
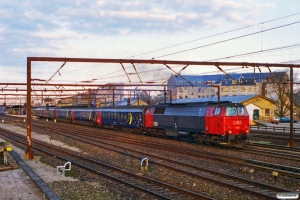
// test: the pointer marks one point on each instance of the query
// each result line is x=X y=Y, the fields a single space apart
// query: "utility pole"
x=291 y=142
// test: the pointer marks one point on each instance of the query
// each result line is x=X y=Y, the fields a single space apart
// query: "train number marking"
x=237 y=122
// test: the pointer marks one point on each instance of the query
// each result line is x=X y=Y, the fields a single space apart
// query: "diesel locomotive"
x=218 y=123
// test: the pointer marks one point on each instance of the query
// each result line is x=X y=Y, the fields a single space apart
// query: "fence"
x=275 y=129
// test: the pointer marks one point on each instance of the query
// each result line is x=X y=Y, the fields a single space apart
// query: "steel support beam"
x=291 y=142
x=163 y=62
x=29 y=152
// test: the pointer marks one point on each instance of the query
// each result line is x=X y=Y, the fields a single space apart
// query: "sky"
x=264 y=31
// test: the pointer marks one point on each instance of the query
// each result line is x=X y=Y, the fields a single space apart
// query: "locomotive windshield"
x=234 y=111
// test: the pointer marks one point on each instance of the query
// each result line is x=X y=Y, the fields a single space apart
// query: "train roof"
x=192 y=104
x=122 y=108
x=233 y=99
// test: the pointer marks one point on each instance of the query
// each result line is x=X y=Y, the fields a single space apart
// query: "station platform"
x=19 y=181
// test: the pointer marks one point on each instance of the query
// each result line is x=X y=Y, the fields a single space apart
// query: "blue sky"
x=192 y=30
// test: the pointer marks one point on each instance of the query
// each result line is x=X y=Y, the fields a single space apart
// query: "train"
x=216 y=123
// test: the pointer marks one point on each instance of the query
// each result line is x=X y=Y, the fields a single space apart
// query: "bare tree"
x=278 y=90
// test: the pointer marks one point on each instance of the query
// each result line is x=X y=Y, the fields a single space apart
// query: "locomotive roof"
x=206 y=103
x=233 y=99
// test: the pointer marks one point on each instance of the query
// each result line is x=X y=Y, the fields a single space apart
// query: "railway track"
x=278 y=136
x=284 y=169
x=151 y=186
x=280 y=148
x=275 y=151
x=262 y=190
x=249 y=186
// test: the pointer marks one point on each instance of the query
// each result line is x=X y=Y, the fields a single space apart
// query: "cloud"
x=101 y=17
x=40 y=27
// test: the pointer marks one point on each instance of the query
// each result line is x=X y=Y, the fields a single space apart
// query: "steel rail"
x=128 y=178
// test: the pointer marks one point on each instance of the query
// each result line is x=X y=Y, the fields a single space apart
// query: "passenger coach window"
x=217 y=111
x=231 y=111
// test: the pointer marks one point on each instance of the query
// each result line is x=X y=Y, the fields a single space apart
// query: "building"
x=200 y=86
x=132 y=102
x=105 y=95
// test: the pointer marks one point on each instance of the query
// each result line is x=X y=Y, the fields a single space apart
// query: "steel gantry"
x=29 y=152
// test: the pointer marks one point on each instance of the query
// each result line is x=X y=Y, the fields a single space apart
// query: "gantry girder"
x=29 y=152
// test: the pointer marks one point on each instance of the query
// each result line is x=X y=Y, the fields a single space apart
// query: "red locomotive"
x=218 y=123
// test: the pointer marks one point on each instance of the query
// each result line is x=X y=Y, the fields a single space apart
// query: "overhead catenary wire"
x=222 y=33
x=218 y=41
x=246 y=35
x=218 y=34
x=227 y=40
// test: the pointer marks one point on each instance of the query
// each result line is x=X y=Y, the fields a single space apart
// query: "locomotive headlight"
x=247 y=131
x=229 y=131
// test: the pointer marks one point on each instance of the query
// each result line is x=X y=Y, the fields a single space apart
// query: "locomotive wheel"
x=216 y=143
x=212 y=143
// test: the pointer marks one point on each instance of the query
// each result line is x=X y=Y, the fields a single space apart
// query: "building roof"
x=244 y=78
x=233 y=99
x=124 y=102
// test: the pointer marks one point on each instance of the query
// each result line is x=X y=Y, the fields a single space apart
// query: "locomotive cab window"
x=217 y=111
x=242 y=111
x=231 y=111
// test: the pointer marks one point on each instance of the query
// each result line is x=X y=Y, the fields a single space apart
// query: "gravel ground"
x=273 y=141
x=83 y=185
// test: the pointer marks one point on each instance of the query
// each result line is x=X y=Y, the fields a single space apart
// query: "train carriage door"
x=209 y=121
x=44 y=113
x=148 y=118
x=175 y=122
x=72 y=115
x=98 y=118
x=218 y=124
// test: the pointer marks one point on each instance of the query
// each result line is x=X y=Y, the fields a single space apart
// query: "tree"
x=297 y=100
x=278 y=90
